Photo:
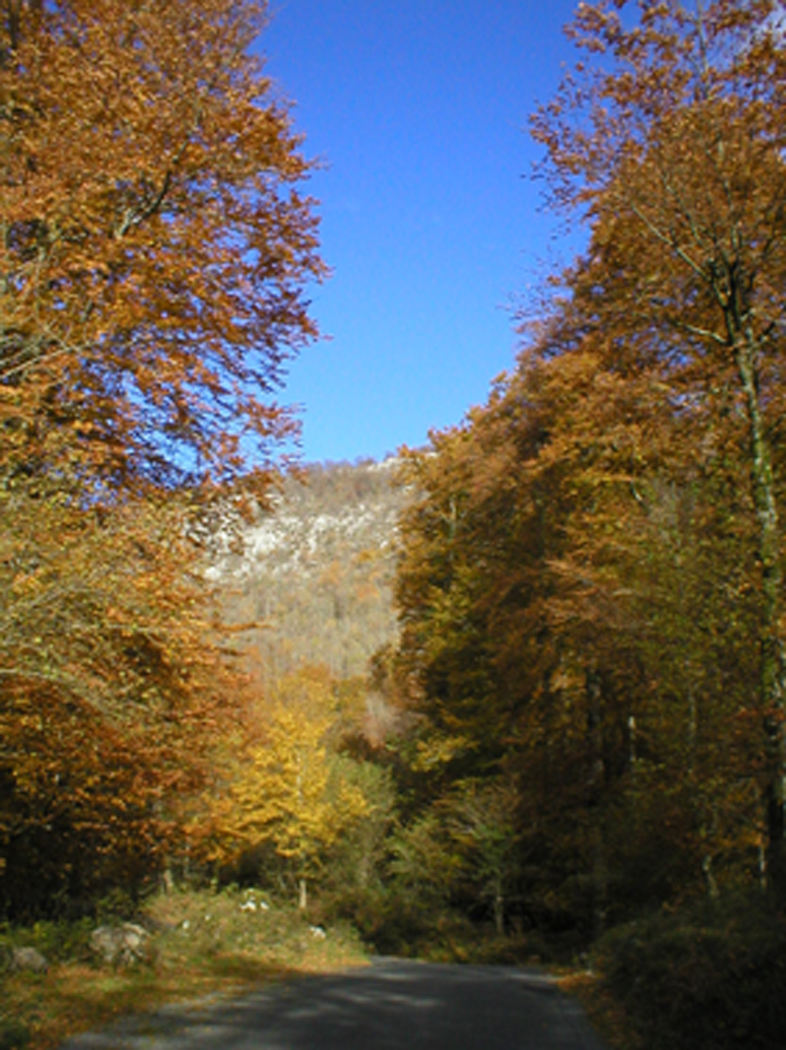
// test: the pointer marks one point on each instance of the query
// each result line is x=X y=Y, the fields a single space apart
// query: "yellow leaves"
x=437 y=751
x=25 y=583
x=292 y=789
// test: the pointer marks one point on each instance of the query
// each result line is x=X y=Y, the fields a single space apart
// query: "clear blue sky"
x=430 y=221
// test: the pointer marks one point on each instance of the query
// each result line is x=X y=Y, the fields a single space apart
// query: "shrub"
x=13 y=1034
x=712 y=977
x=58 y=941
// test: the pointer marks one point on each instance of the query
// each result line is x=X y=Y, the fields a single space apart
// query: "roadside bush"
x=397 y=922
x=117 y=905
x=13 y=1034
x=58 y=941
x=711 y=977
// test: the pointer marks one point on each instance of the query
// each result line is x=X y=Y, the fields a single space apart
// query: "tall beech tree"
x=576 y=617
x=517 y=635
x=590 y=586
x=154 y=246
x=671 y=138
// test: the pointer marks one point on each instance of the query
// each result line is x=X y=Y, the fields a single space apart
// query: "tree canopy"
x=591 y=582
x=155 y=244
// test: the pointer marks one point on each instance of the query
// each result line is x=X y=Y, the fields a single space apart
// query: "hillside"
x=315 y=572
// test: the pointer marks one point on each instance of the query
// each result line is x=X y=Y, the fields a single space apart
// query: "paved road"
x=391 y=1005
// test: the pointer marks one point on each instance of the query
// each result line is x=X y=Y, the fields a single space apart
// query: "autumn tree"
x=574 y=616
x=155 y=247
x=154 y=244
x=113 y=685
x=510 y=667
x=590 y=573
x=292 y=788
x=673 y=145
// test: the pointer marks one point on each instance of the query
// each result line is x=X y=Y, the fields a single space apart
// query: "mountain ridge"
x=314 y=572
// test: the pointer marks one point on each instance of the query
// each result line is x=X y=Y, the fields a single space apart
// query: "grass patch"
x=204 y=943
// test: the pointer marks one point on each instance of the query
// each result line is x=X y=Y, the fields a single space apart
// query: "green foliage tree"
x=481 y=818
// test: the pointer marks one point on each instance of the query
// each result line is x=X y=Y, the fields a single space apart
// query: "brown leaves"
x=153 y=256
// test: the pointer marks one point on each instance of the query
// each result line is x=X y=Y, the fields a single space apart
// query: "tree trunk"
x=600 y=875
x=499 y=908
x=710 y=882
x=167 y=878
x=771 y=674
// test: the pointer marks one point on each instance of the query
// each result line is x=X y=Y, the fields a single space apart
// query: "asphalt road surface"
x=393 y=1004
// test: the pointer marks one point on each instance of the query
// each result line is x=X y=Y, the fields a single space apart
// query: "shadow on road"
x=391 y=1005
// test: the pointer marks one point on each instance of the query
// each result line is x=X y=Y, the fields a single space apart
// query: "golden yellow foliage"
x=292 y=788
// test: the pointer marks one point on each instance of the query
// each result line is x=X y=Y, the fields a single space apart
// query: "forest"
x=567 y=733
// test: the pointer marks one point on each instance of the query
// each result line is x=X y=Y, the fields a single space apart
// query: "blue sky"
x=431 y=223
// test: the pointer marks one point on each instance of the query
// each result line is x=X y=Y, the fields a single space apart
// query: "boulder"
x=121 y=945
x=29 y=959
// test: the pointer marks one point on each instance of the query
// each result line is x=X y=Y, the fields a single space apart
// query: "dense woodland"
x=572 y=717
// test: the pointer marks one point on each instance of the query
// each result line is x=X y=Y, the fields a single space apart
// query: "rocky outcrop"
x=312 y=577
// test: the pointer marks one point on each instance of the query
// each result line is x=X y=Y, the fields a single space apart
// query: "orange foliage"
x=592 y=580
x=154 y=245
x=154 y=248
x=113 y=684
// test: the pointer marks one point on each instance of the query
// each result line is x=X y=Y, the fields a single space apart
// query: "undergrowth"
x=710 y=977
x=202 y=942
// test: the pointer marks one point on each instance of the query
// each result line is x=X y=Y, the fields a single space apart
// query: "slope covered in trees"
x=315 y=569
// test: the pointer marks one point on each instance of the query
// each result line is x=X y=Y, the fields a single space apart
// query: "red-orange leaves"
x=112 y=686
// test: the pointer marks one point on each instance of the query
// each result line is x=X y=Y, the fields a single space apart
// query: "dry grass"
x=605 y=1013
x=205 y=945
